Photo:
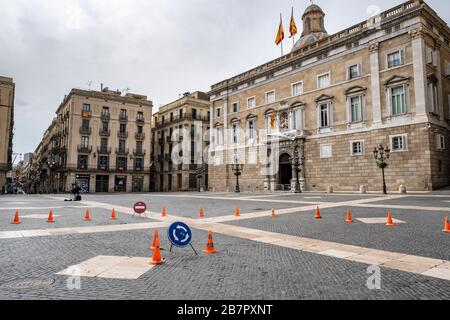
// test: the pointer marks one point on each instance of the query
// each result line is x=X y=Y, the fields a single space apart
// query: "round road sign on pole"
x=140 y=208
x=180 y=235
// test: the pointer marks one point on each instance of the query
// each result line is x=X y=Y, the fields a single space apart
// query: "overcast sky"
x=160 y=48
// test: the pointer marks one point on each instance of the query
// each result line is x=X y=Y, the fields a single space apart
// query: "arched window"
x=308 y=25
x=321 y=23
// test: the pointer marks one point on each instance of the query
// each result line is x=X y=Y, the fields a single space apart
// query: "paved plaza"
x=286 y=257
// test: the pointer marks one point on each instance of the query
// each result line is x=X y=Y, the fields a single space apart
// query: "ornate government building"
x=337 y=97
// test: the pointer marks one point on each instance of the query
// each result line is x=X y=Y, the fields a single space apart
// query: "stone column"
x=419 y=65
x=375 y=80
x=439 y=84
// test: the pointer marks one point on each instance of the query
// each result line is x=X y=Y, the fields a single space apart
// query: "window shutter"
x=402 y=56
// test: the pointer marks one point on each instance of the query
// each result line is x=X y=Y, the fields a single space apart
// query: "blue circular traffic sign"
x=180 y=235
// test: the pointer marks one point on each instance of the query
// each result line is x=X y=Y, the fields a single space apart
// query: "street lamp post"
x=237 y=168
x=297 y=162
x=381 y=155
x=51 y=165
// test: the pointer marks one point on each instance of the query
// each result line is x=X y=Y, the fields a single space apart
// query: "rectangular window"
x=356 y=109
x=218 y=112
x=140 y=116
x=123 y=128
x=105 y=126
x=235 y=107
x=432 y=88
x=85 y=142
x=122 y=145
x=85 y=125
x=326 y=151
x=121 y=163
x=86 y=107
x=324 y=115
x=235 y=133
x=105 y=111
x=323 y=81
x=140 y=129
x=357 y=148
x=218 y=136
x=395 y=59
x=138 y=164
x=297 y=89
x=251 y=129
x=354 y=72
x=251 y=103
x=398 y=100
x=139 y=147
x=270 y=97
x=83 y=162
x=399 y=143
x=298 y=119
x=440 y=142
x=194 y=114
x=103 y=144
x=103 y=162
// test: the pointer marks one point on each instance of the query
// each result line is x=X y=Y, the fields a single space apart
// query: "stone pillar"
x=439 y=84
x=112 y=182
x=375 y=80
x=419 y=66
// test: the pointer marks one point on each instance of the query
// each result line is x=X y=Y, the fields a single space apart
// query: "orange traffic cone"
x=164 y=212
x=390 y=222
x=318 y=216
x=446 y=226
x=156 y=243
x=349 y=217
x=273 y=213
x=87 y=216
x=16 y=218
x=113 y=215
x=50 y=217
x=210 y=246
x=238 y=214
x=202 y=213
x=157 y=259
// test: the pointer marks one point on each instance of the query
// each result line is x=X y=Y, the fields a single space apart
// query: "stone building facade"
x=99 y=140
x=7 y=94
x=180 y=136
x=334 y=98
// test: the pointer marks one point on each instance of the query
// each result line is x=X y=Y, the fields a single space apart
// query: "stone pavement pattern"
x=292 y=256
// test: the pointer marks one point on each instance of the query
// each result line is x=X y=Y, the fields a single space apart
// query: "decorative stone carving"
x=374 y=47
x=417 y=33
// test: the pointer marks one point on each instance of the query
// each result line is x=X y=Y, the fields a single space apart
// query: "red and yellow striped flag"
x=280 y=34
x=293 y=26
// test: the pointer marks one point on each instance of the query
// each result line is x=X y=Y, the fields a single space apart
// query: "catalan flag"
x=280 y=34
x=293 y=26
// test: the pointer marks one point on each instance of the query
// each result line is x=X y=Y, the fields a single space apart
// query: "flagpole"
x=281 y=21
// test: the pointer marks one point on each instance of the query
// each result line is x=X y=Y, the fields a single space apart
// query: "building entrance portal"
x=285 y=172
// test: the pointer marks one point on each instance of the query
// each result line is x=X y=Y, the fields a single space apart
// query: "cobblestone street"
x=289 y=256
